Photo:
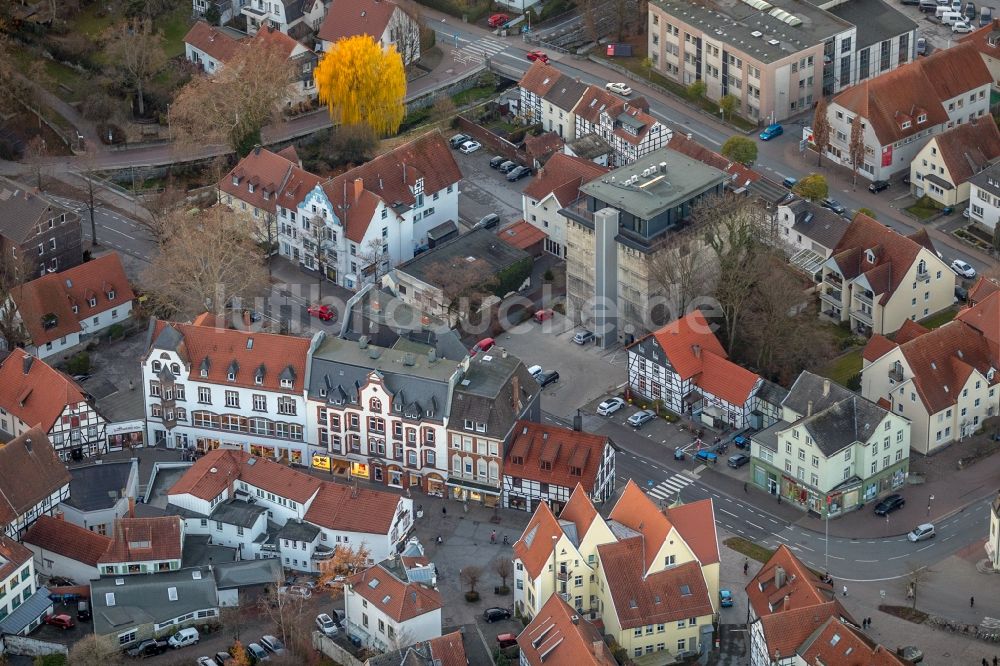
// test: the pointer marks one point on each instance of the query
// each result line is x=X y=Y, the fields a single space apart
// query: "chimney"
x=431 y=356
x=826 y=388
x=786 y=603
x=131 y=507
x=409 y=359
x=359 y=187
x=779 y=577
x=575 y=619
x=809 y=408
x=59 y=515
x=515 y=389
x=27 y=444
x=28 y=360
x=256 y=149
x=363 y=342
x=696 y=350
x=578 y=421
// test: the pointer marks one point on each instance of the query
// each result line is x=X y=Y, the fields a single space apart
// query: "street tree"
x=14 y=273
x=240 y=656
x=588 y=10
x=344 y=562
x=161 y=207
x=404 y=31
x=683 y=271
x=208 y=258
x=470 y=577
x=503 y=567
x=94 y=650
x=821 y=130
x=996 y=238
x=362 y=83
x=287 y=611
x=444 y=107
x=35 y=154
x=856 y=148
x=135 y=50
x=740 y=149
x=233 y=105
x=696 y=90
x=914 y=578
x=813 y=187
x=729 y=104
x=374 y=257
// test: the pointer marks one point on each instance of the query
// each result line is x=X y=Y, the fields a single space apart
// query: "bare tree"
x=444 y=107
x=13 y=274
x=94 y=650
x=344 y=562
x=35 y=152
x=856 y=148
x=375 y=258
x=503 y=567
x=683 y=271
x=461 y=288
x=821 y=130
x=620 y=15
x=235 y=103
x=588 y=9
x=208 y=258
x=470 y=576
x=913 y=579
x=286 y=610
x=404 y=32
x=161 y=206
x=234 y=618
x=135 y=49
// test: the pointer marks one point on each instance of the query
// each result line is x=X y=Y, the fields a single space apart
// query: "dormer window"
x=156 y=366
x=870 y=256
x=266 y=195
x=76 y=309
x=236 y=180
x=111 y=295
x=250 y=187
x=922 y=118
x=92 y=302
x=286 y=383
x=906 y=124
x=258 y=379
x=204 y=372
x=231 y=376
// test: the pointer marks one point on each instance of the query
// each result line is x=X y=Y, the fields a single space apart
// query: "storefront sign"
x=320 y=461
x=125 y=434
x=359 y=469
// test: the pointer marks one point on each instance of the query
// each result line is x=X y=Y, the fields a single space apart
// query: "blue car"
x=771 y=131
x=725 y=598
x=707 y=456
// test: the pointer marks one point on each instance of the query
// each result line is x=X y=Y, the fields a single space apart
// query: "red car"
x=542 y=315
x=483 y=345
x=498 y=20
x=324 y=312
x=538 y=55
x=61 y=621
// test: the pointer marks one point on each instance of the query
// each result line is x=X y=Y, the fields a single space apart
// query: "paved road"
x=114 y=230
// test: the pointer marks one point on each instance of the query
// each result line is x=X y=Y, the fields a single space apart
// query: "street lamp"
x=930 y=499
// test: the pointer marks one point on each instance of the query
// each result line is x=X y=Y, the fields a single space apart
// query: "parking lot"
x=939 y=36
x=485 y=190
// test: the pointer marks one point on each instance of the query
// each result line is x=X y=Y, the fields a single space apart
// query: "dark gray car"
x=518 y=173
x=507 y=166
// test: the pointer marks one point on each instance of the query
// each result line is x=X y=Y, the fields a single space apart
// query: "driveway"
x=586 y=372
x=116 y=377
x=485 y=190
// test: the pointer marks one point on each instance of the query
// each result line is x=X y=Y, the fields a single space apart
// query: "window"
x=204 y=395
x=259 y=402
x=232 y=399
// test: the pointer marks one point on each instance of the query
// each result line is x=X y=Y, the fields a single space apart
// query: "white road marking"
x=866 y=561
x=729 y=512
x=752 y=525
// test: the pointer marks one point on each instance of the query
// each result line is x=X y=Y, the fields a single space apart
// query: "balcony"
x=577 y=211
x=562 y=575
x=863 y=316
x=896 y=374
x=833 y=279
x=923 y=275
x=322 y=553
x=863 y=297
x=565 y=596
x=832 y=296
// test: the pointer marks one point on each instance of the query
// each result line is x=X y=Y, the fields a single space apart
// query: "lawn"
x=842 y=368
x=473 y=95
x=939 y=319
x=922 y=212
x=174 y=26
x=634 y=65
x=87 y=21
x=62 y=75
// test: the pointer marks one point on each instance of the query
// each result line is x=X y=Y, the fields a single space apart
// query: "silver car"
x=922 y=532
x=610 y=406
x=641 y=417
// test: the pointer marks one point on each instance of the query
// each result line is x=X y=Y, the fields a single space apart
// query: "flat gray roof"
x=349 y=352
x=735 y=22
x=98 y=486
x=684 y=178
x=480 y=248
x=875 y=20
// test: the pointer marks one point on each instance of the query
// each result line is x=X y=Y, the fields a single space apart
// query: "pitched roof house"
x=61 y=310
x=626 y=125
x=144 y=545
x=558 y=635
x=37 y=236
x=686 y=355
x=548 y=96
x=943 y=167
x=382 y=20
x=447 y=650
x=944 y=380
x=986 y=40
x=877 y=278
x=64 y=549
x=902 y=108
x=32 y=481
x=655 y=570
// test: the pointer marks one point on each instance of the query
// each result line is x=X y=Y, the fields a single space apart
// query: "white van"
x=951 y=18
x=184 y=637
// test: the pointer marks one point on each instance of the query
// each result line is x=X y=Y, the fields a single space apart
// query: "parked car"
x=147 y=648
x=206 y=661
x=470 y=147
x=489 y=221
x=483 y=345
x=618 y=89
x=257 y=653
x=963 y=269
x=835 y=206
x=61 y=620
x=295 y=591
x=497 y=20
x=506 y=640
x=970 y=12
x=496 y=613
x=543 y=315
x=961 y=293
x=517 y=173
x=790 y=182
x=921 y=532
x=771 y=131
x=610 y=406
x=889 y=504
x=535 y=370
x=639 y=418
x=537 y=55
x=457 y=140
x=583 y=337
x=741 y=442
x=985 y=16
x=322 y=312
x=83 y=611
x=497 y=161
x=506 y=167
x=738 y=460
x=707 y=456
x=272 y=644
x=921 y=45
x=224 y=658
x=967 y=212
x=879 y=185
x=326 y=624
x=725 y=598
x=184 y=637
x=961 y=27
x=546 y=378
x=81 y=378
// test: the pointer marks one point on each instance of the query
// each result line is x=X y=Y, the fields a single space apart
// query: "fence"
x=334 y=651
x=31 y=647
x=494 y=142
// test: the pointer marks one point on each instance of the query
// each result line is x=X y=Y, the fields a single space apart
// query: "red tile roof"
x=543 y=146
x=984 y=317
x=270 y=38
x=696 y=524
x=596 y=101
x=522 y=235
x=212 y=41
x=212 y=473
x=969 y=148
x=389 y=178
x=784 y=632
x=264 y=171
x=580 y=511
x=783 y=575
x=908 y=331
x=877 y=347
x=726 y=380
x=343 y=508
x=399 y=600
x=145 y=540
x=557 y=635
x=57 y=293
x=279 y=356
x=38 y=397
x=668 y=595
x=536 y=542
x=920 y=87
x=449 y=650
x=636 y=510
x=348 y=18
x=562 y=177
x=66 y=539
x=540 y=78
x=30 y=472
x=838 y=643
x=742 y=174
x=984 y=287
x=981 y=39
x=560 y=449
x=12 y=556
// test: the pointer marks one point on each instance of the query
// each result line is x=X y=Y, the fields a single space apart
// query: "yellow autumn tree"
x=363 y=84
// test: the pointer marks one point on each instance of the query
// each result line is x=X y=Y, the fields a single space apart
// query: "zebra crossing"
x=670 y=488
x=479 y=50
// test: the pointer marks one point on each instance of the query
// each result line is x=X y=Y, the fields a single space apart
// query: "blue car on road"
x=771 y=131
x=725 y=598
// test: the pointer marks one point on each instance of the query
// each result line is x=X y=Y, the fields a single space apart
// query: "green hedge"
x=510 y=278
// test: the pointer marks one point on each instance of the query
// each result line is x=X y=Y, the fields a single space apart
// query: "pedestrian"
x=845 y=590
x=506 y=541
x=994 y=660
x=744 y=486
x=444 y=512
x=131 y=385
x=493 y=537
x=746 y=566
x=985 y=663
x=972 y=602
